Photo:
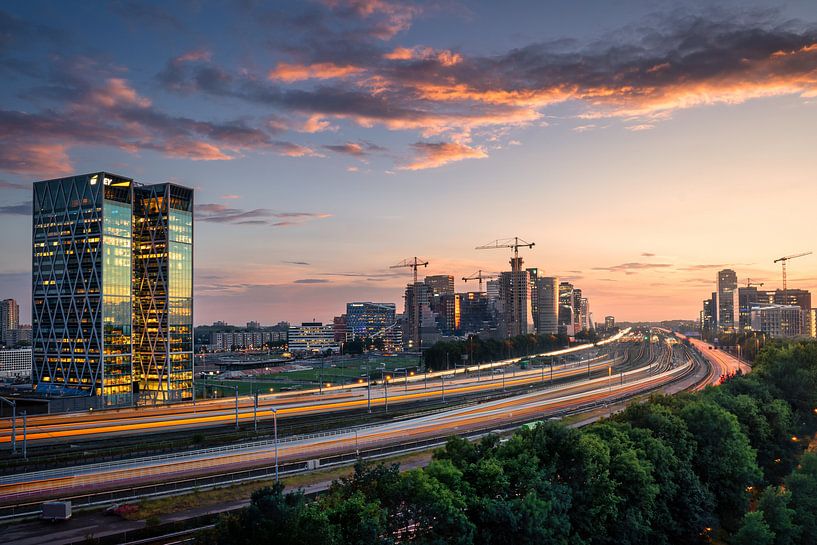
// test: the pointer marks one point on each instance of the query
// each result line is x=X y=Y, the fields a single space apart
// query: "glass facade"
x=163 y=293
x=112 y=292
x=81 y=296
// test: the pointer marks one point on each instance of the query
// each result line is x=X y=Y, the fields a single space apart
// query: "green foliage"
x=753 y=531
x=478 y=350
x=802 y=484
x=774 y=505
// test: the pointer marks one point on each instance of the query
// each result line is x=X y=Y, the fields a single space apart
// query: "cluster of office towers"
x=112 y=290
x=777 y=313
x=515 y=303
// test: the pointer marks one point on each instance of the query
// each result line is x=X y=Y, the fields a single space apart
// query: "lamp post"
x=25 y=437
x=236 y=407
x=368 y=389
x=385 y=389
x=13 y=423
x=275 y=438
x=442 y=383
x=255 y=413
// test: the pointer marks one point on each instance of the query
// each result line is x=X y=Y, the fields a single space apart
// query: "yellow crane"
x=514 y=244
x=414 y=263
x=783 y=260
x=479 y=276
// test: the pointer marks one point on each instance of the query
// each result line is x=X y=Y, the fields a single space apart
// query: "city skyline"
x=317 y=167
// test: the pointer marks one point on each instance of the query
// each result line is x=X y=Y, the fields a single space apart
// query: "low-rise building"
x=312 y=337
x=781 y=321
x=15 y=363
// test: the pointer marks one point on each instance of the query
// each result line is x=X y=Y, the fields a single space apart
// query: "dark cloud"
x=632 y=267
x=220 y=213
x=647 y=254
x=355 y=149
x=22 y=209
x=311 y=281
x=12 y=185
x=704 y=267
x=143 y=13
x=304 y=263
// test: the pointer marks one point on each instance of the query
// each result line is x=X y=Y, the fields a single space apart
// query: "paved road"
x=724 y=363
x=95 y=425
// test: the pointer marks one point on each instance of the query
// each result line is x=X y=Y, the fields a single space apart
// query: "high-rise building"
x=566 y=311
x=578 y=316
x=587 y=319
x=418 y=319
x=475 y=314
x=609 y=322
x=514 y=294
x=112 y=292
x=440 y=284
x=9 y=320
x=728 y=306
x=749 y=297
x=163 y=292
x=547 y=293
x=533 y=279
x=708 y=316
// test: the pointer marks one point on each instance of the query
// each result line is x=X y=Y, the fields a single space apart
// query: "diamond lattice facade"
x=93 y=273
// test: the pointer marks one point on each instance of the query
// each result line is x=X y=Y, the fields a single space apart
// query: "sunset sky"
x=640 y=145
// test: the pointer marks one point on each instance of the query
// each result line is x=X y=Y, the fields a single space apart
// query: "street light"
x=275 y=436
x=13 y=423
x=236 y=407
x=368 y=389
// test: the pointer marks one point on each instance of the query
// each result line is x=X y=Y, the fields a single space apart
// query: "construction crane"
x=516 y=267
x=479 y=276
x=784 y=260
x=749 y=283
x=414 y=263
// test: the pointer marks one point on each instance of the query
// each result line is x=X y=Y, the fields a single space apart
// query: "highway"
x=664 y=369
x=725 y=364
x=220 y=412
x=103 y=424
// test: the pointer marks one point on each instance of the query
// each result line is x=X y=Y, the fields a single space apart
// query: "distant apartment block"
x=15 y=363
x=367 y=320
x=547 y=292
x=779 y=321
x=312 y=337
x=9 y=321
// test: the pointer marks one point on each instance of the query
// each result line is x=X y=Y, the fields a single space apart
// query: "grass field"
x=343 y=372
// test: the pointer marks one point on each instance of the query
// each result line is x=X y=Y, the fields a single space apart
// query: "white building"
x=312 y=337
x=778 y=320
x=15 y=363
x=548 y=305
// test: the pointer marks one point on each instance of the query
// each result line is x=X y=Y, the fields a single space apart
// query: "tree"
x=803 y=487
x=724 y=460
x=275 y=517
x=753 y=531
x=774 y=504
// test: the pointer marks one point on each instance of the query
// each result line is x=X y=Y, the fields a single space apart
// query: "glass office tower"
x=112 y=302
x=163 y=292
x=81 y=292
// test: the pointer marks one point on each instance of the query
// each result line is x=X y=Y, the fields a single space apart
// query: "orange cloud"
x=289 y=73
x=445 y=57
x=437 y=154
x=117 y=92
x=38 y=159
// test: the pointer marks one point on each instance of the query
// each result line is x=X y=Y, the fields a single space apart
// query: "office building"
x=708 y=316
x=778 y=321
x=547 y=294
x=533 y=288
x=475 y=313
x=566 y=311
x=728 y=307
x=793 y=297
x=15 y=363
x=587 y=318
x=367 y=320
x=516 y=316
x=578 y=316
x=749 y=297
x=810 y=323
x=419 y=322
x=440 y=284
x=112 y=280
x=312 y=337
x=609 y=322
x=341 y=329
x=9 y=321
